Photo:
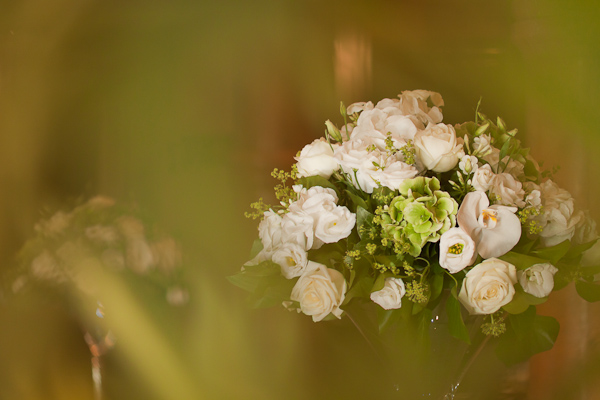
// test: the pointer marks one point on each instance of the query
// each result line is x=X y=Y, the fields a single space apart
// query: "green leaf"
x=250 y=278
x=521 y=261
x=479 y=131
x=588 y=291
x=310 y=181
x=576 y=251
x=357 y=201
x=326 y=253
x=456 y=325
x=257 y=246
x=273 y=293
x=378 y=284
x=553 y=253
x=590 y=270
x=387 y=318
x=527 y=334
x=531 y=170
x=521 y=301
x=424 y=321
x=500 y=123
x=361 y=288
x=363 y=217
x=437 y=284
x=504 y=150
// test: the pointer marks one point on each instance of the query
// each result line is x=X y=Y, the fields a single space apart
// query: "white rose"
x=457 y=250
x=414 y=103
x=488 y=286
x=317 y=159
x=438 y=148
x=335 y=225
x=390 y=296
x=357 y=162
x=353 y=155
x=314 y=200
x=320 y=291
x=388 y=172
x=374 y=125
x=559 y=218
x=508 y=190
x=269 y=230
x=538 y=279
x=495 y=230
x=358 y=107
x=298 y=227
x=483 y=178
x=292 y=258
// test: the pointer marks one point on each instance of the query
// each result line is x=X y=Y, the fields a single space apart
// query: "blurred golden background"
x=184 y=107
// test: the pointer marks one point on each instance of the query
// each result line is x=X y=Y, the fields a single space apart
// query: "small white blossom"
x=390 y=296
x=538 y=280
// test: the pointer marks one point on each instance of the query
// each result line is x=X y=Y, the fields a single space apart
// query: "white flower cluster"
x=311 y=221
x=366 y=157
x=408 y=170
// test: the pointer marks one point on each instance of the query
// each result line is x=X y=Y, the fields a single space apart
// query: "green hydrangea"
x=420 y=214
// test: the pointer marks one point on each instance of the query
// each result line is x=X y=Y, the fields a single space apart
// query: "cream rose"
x=508 y=190
x=370 y=169
x=414 y=104
x=320 y=291
x=334 y=225
x=359 y=107
x=314 y=201
x=388 y=172
x=354 y=158
x=292 y=258
x=438 y=148
x=374 y=125
x=297 y=227
x=483 y=178
x=488 y=286
x=538 y=279
x=269 y=231
x=457 y=250
x=390 y=296
x=559 y=218
x=317 y=159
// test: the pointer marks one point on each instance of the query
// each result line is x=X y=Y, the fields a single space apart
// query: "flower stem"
x=463 y=371
x=364 y=335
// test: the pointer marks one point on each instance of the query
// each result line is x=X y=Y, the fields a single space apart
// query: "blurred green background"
x=184 y=107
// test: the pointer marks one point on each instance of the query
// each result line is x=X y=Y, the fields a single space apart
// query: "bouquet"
x=397 y=209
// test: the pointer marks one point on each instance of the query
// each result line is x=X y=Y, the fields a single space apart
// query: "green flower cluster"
x=420 y=214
